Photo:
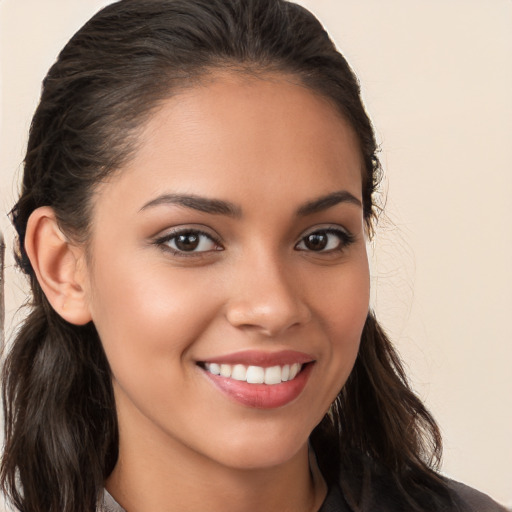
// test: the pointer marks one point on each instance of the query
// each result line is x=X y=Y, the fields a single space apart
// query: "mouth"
x=251 y=374
x=258 y=380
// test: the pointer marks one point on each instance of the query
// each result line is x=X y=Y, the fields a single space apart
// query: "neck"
x=148 y=478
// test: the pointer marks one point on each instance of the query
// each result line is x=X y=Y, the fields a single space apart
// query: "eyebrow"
x=203 y=204
x=328 y=201
x=220 y=207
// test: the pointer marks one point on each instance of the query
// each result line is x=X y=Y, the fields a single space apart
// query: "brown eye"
x=189 y=242
x=325 y=240
x=316 y=241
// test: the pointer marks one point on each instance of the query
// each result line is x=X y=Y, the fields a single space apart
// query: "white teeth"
x=225 y=370
x=273 y=375
x=239 y=372
x=214 y=368
x=294 y=369
x=255 y=374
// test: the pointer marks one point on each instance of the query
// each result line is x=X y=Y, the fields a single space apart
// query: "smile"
x=258 y=379
x=255 y=374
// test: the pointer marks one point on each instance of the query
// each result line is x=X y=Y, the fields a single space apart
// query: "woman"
x=200 y=334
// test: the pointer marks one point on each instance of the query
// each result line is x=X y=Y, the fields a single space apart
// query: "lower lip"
x=262 y=396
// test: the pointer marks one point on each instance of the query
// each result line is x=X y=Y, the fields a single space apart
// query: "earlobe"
x=59 y=266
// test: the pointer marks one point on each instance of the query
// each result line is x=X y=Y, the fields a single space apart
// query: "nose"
x=266 y=297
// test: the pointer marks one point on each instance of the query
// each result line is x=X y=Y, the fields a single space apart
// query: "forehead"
x=241 y=135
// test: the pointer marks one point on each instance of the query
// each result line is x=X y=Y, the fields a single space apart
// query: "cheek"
x=343 y=300
x=343 y=310
x=142 y=308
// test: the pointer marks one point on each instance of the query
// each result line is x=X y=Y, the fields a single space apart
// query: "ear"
x=59 y=266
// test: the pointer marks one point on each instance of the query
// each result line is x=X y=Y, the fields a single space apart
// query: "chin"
x=259 y=451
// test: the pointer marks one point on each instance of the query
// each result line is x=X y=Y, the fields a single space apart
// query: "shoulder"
x=108 y=504
x=472 y=500
x=376 y=490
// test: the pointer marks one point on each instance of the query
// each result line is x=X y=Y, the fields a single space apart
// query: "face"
x=228 y=275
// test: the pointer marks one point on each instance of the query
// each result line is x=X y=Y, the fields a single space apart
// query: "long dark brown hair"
x=61 y=436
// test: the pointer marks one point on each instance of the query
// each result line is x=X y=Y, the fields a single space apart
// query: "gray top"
x=334 y=502
x=109 y=504
x=472 y=501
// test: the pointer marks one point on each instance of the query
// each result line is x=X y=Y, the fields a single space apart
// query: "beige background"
x=437 y=81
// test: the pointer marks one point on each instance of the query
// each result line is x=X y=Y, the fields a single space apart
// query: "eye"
x=191 y=241
x=325 y=240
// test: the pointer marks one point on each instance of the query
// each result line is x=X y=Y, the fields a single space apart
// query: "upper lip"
x=262 y=358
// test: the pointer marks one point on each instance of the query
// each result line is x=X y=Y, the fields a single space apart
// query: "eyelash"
x=345 y=239
x=166 y=240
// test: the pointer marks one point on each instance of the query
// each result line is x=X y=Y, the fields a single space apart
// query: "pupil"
x=316 y=241
x=187 y=242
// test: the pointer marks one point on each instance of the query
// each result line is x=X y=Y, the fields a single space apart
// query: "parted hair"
x=61 y=432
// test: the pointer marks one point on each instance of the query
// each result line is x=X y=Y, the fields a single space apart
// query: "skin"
x=269 y=147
